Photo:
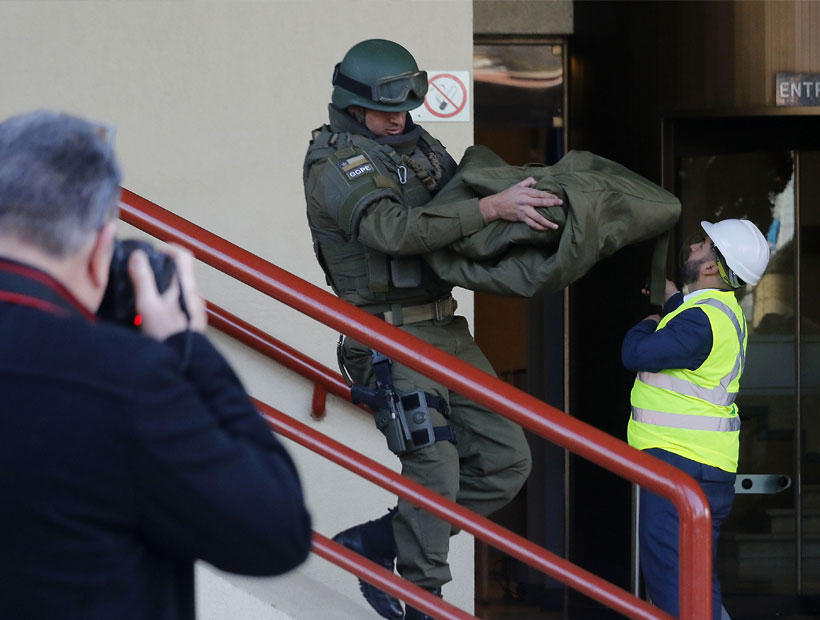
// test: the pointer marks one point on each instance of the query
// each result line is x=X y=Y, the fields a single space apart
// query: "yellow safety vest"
x=693 y=413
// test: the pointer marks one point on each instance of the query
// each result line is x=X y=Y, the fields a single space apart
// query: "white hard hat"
x=742 y=245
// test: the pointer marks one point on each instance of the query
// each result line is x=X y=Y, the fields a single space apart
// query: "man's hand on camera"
x=162 y=315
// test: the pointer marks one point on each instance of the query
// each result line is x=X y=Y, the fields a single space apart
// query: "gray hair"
x=59 y=181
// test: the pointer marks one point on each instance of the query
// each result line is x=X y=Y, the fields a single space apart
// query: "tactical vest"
x=693 y=413
x=357 y=171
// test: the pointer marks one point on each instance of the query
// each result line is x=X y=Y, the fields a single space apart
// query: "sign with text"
x=798 y=89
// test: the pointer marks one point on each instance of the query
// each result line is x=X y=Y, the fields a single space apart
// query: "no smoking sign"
x=447 y=98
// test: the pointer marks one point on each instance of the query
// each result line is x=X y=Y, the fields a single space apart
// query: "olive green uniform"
x=365 y=198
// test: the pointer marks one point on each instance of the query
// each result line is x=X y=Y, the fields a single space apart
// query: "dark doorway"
x=519 y=114
x=763 y=168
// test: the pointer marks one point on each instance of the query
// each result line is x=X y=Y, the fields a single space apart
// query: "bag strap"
x=657 y=278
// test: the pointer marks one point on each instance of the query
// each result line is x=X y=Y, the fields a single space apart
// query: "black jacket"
x=119 y=468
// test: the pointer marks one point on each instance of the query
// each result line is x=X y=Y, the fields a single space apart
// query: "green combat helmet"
x=379 y=75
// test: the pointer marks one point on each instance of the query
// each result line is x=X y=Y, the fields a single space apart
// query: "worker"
x=689 y=366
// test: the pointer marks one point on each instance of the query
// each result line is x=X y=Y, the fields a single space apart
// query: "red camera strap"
x=33 y=302
x=25 y=285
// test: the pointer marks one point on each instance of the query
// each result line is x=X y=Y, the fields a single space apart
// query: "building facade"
x=213 y=104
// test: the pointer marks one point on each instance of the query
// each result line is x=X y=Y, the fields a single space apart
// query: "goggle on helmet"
x=388 y=90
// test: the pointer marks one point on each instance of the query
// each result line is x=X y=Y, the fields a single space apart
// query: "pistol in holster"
x=402 y=417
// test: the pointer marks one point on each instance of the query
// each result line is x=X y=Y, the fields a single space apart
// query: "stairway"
x=759 y=576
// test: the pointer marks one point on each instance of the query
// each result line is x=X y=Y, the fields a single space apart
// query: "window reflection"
x=757 y=550
x=758 y=186
x=770 y=307
x=809 y=198
x=519 y=84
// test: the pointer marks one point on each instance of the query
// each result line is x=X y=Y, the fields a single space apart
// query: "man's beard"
x=690 y=270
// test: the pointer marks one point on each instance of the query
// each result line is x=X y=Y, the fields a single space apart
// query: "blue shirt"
x=685 y=341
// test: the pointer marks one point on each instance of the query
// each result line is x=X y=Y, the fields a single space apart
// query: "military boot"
x=414 y=614
x=375 y=541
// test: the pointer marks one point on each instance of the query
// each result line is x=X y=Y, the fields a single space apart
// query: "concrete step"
x=768 y=559
x=782 y=520
x=295 y=596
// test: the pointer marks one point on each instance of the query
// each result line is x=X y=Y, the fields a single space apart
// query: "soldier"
x=368 y=175
x=689 y=366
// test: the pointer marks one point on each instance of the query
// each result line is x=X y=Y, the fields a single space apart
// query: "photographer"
x=125 y=456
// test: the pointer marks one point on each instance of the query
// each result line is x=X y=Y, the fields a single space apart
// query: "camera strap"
x=25 y=285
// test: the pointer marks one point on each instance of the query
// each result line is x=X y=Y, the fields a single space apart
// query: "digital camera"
x=119 y=303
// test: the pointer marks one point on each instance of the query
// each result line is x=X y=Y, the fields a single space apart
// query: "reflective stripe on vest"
x=718 y=395
x=690 y=422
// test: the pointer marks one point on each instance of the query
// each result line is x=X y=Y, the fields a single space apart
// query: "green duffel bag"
x=606 y=207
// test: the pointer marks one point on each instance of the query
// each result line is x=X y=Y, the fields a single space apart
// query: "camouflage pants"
x=483 y=472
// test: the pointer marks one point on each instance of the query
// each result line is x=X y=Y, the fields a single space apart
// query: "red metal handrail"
x=480 y=527
x=324 y=379
x=530 y=554
x=535 y=415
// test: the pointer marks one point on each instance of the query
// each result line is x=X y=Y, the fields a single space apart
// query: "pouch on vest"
x=405 y=271
x=353 y=181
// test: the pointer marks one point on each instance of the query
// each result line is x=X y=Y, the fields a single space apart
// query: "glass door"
x=807 y=526
x=769 y=553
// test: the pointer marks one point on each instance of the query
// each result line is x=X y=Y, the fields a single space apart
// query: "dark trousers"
x=658 y=531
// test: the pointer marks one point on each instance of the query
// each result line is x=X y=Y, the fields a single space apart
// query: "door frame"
x=793 y=129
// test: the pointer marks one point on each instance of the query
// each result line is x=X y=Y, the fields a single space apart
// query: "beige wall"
x=522 y=17
x=213 y=104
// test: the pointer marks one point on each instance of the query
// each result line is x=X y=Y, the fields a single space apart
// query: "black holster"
x=402 y=417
